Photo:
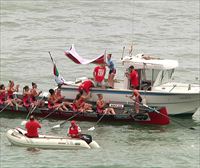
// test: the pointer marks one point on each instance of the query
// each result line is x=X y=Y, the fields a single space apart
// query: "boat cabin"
x=152 y=71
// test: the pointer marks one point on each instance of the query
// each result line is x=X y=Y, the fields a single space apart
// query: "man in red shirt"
x=133 y=78
x=99 y=74
x=74 y=130
x=86 y=85
x=32 y=127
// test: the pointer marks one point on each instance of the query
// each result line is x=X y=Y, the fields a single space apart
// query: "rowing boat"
x=125 y=113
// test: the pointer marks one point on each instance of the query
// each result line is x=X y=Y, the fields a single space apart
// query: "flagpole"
x=51 y=57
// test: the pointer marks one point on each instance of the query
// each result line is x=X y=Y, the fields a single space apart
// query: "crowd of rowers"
x=56 y=101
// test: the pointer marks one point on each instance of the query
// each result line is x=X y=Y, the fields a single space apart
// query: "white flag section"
x=58 y=78
x=75 y=57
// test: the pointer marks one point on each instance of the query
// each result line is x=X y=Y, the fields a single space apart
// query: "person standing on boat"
x=74 y=130
x=112 y=71
x=32 y=127
x=133 y=76
x=138 y=100
x=99 y=75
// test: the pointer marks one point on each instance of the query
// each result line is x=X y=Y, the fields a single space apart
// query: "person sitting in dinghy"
x=74 y=130
x=101 y=106
x=53 y=102
x=32 y=127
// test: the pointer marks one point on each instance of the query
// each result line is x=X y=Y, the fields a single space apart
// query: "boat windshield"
x=147 y=78
x=163 y=76
x=154 y=77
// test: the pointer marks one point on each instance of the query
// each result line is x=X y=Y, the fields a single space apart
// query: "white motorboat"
x=17 y=137
x=156 y=85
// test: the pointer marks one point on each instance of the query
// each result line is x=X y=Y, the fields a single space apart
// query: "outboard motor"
x=88 y=139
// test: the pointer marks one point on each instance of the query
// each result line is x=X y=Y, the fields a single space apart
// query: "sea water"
x=165 y=29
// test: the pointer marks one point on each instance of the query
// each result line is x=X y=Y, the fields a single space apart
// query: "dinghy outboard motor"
x=88 y=139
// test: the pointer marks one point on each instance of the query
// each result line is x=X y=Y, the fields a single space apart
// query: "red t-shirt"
x=99 y=73
x=32 y=128
x=2 y=97
x=86 y=85
x=134 y=78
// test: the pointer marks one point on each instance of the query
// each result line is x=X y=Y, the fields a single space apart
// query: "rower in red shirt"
x=32 y=127
x=99 y=74
x=74 y=130
x=2 y=94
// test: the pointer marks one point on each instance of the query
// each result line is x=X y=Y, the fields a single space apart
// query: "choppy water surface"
x=168 y=29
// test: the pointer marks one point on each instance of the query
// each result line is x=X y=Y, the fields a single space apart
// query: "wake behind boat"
x=155 y=84
x=17 y=137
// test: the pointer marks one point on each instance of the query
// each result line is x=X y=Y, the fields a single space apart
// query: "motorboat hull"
x=176 y=103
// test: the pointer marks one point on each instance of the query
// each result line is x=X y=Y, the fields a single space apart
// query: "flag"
x=75 y=57
x=58 y=78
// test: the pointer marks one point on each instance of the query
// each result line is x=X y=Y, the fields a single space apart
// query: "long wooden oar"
x=93 y=128
x=4 y=107
x=144 y=105
x=51 y=112
x=63 y=123
x=31 y=111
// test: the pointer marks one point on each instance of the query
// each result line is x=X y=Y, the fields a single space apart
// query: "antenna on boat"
x=131 y=50
x=123 y=53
